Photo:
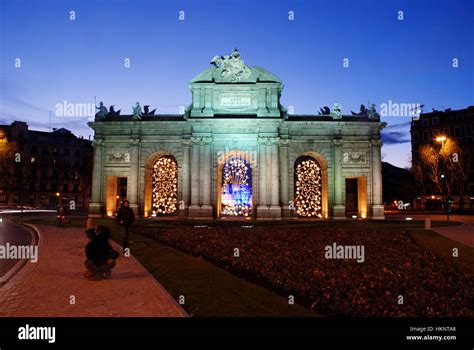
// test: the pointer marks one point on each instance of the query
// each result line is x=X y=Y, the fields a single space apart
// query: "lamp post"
x=445 y=195
x=57 y=200
x=444 y=184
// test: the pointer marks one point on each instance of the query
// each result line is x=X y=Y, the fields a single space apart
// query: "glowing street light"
x=441 y=139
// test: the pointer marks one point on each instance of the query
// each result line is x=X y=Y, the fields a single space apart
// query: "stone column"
x=133 y=175
x=96 y=207
x=194 y=170
x=262 y=208
x=186 y=180
x=275 y=209
x=208 y=110
x=284 y=190
x=376 y=205
x=206 y=206
x=338 y=209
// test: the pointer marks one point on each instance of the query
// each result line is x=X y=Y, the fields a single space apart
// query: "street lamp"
x=441 y=139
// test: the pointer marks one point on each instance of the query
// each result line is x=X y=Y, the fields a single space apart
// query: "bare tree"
x=8 y=170
x=445 y=166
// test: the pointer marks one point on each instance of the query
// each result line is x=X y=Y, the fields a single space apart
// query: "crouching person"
x=100 y=257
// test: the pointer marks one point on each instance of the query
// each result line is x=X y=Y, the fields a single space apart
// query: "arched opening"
x=164 y=186
x=235 y=186
x=308 y=188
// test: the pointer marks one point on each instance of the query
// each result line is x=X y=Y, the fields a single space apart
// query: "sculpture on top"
x=113 y=112
x=336 y=112
x=362 y=111
x=102 y=112
x=137 y=112
x=372 y=113
x=324 y=111
x=146 y=110
x=231 y=68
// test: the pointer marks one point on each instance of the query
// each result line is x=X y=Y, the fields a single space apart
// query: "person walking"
x=126 y=218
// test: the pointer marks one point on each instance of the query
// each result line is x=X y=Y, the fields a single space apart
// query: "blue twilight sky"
x=408 y=61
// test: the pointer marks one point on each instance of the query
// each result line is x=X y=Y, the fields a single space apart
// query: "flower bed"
x=292 y=261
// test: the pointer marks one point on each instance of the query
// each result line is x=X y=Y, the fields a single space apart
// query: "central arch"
x=234 y=185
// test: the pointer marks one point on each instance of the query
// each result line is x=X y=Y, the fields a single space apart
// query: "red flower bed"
x=292 y=261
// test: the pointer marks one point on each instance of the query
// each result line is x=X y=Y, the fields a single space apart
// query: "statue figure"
x=231 y=67
x=137 y=112
x=113 y=112
x=147 y=110
x=372 y=113
x=102 y=112
x=363 y=111
x=336 y=112
x=324 y=111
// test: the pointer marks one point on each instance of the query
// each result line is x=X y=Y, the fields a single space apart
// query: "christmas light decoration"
x=308 y=195
x=165 y=186
x=236 y=191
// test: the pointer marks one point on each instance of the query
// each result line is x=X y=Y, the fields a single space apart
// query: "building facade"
x=236 y=152
x=43 y=169
x=455 y=125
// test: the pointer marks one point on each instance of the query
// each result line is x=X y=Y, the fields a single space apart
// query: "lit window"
x=308 y=190
x=165 y=186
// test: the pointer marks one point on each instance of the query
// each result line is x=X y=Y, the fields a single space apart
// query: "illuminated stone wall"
x=236 y=114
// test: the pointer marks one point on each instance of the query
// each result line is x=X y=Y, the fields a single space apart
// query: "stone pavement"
x=462 y=233
x=46 y=288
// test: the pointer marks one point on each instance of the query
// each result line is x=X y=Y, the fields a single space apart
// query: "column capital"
x=195 y=141
x=262 y=140
x=268 y=140
x=135 y=142
x=207 y=140
x=98 y=142
x=337 y=142
x=186 y=142
x=284 y=142
x=376 y=143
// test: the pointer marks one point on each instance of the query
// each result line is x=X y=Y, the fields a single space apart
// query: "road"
x=15 y=235
x=466 y=219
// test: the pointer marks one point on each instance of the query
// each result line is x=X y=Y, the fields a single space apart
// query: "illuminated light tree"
x=450 y=160
x=165 y=186
x=236 y=191
x=308 y=191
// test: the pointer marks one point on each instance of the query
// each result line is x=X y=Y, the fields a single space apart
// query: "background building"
x=398 y=185
x=435 y=129
x=42 y=169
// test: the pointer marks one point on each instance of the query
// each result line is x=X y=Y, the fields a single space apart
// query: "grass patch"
x=443 y=247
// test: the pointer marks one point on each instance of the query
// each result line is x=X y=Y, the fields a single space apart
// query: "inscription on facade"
x=235 y=100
